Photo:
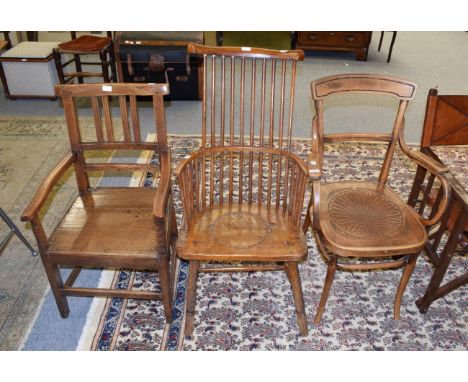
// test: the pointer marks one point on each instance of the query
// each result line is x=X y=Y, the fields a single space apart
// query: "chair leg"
x=56 y=284
x=391 y=46
x=166 y=288
x=104 y=66
x=294 y=278
x=58 y=65
x=191 y=295
x=380 y=41
x=326 y=288
x=403 y=282
x=307 y=219
x=78 y=67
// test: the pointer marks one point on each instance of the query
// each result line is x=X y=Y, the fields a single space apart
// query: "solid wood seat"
x=242 y=192
x=114 y=228
x=121 y=215
x=360 y=220
x=242 y=232
x=86 y=44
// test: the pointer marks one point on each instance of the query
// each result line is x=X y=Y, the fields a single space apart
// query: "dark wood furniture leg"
x=434 y=291
x=380 y=41
x=391 y=46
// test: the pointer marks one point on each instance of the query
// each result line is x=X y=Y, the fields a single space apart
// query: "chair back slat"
x=115 y=134
x=124 y=116
x=135 y=119
x=97 y=119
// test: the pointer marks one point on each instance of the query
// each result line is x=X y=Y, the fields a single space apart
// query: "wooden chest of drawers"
x=357 y=42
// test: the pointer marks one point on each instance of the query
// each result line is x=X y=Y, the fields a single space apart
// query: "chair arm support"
x=164 y=189
x=438 y=170
x=46 y=186
x=314 y=166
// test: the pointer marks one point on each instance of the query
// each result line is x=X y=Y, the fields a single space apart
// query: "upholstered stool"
x=84 y=45
x=27 y=70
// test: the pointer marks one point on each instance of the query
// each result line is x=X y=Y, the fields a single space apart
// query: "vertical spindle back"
x=248 y=96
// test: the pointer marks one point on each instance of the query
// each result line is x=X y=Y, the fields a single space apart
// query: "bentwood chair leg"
x=166 y=288
x=326 y=288
x=403 y=282
x=294 y=278
x=191 y=294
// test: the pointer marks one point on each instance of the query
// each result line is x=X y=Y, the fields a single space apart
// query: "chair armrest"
x=46 y=186
x=164 y=189
x=438 y=170
x=314 y=160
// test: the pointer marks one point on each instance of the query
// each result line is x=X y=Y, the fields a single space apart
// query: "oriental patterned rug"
x=255 y=311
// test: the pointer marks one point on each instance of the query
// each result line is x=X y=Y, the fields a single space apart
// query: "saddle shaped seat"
x=86 y=43
x=242 y=232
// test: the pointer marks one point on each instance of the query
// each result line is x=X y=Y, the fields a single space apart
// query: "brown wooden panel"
x=451 y=121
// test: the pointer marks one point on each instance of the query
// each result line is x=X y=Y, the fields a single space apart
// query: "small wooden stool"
x=86 y=44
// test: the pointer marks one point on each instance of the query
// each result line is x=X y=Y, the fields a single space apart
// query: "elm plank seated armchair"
x=366 y=225
x=243 y=190
x=445 y=124
x=110 y=227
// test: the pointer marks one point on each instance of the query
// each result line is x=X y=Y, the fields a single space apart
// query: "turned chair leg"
x=191 y=295
x=403 y=282
x=326 y=288
x=166 y=288
x=292 y=272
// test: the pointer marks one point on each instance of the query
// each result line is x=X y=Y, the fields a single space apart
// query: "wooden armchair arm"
x=44 y=189
x=314 y=166
x=435 y=168
x=164 y=189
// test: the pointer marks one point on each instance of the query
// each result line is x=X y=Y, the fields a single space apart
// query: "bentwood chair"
x=110 y=227
x=445 y=124
x=366 y=225
x=243 y=190
x=82 y=46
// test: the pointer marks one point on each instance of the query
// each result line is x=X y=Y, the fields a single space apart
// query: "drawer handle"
x=350 y=38
x=331 y=33
x=312 y=36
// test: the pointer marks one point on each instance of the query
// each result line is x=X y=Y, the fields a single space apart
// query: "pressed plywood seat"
x=361 y=219
x=366 y=222
x=121 y=227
